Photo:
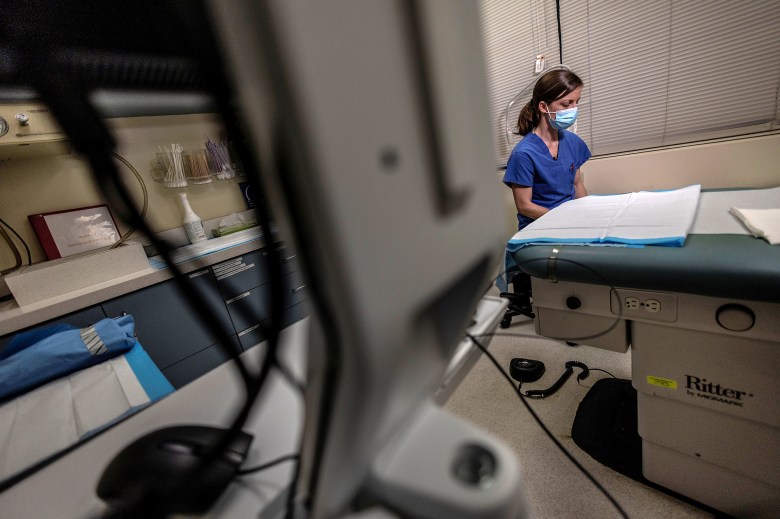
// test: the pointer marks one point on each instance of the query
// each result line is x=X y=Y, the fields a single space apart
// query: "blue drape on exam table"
x=35 y=360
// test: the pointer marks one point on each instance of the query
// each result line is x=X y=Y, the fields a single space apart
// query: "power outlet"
x=639 y=304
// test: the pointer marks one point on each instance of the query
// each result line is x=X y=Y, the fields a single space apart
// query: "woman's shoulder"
x=574 y=146
x=528 y=144
x=571 y=137
x=524 y=156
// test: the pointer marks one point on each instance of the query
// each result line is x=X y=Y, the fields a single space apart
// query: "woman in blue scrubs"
x=544 y=168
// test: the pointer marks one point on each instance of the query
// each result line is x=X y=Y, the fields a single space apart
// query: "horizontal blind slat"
x=698 y=68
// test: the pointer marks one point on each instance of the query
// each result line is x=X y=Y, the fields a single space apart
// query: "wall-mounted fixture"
x=29 y=130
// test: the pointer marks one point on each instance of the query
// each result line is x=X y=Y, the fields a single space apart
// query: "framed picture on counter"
x=73 y=231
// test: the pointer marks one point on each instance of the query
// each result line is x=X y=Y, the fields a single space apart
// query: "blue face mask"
x=563 y=118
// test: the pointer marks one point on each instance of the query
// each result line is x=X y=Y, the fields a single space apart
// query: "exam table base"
x=719 y=487
x=707 y=409
x=715 y=437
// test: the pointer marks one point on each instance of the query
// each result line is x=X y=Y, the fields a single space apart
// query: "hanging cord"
x=549 y=434
x=200 y=38
x=156 y=503
x=17 y=256
x=560 y=262
x=26 y=248
x=146 y=197
x=560 y=39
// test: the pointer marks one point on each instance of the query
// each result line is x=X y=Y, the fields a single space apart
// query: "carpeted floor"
x=556 y=489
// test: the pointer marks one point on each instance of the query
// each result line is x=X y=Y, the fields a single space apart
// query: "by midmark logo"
x=703 y=388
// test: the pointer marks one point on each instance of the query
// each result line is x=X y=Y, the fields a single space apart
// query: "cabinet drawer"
x=246 y=272
x=295 y=289
x=249 y=308
x=166 y=326
x=289 y=261
x=254 y=335
x=295 y=313
x=194 y=366
x=288 y=258
x=240 y=274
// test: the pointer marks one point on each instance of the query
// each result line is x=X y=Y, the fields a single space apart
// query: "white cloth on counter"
x=762 y=223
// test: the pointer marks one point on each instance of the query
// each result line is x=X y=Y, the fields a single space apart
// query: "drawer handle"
x=296 y=290
x=288 y=259
x=249 y=330
x=239 y=296
x=201 y=273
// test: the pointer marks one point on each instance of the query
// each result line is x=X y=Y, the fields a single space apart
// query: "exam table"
x=703 y=324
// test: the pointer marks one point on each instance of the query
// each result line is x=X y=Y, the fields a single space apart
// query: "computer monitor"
x=370 y=124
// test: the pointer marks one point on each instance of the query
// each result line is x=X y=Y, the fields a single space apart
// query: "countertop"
x=14 y=318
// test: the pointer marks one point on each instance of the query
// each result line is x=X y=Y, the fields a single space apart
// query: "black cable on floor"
x=547 y=431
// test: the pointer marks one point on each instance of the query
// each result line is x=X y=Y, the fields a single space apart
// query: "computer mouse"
x=157 y=463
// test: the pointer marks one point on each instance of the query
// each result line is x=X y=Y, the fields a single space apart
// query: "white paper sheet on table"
x=713 y=214
x=641 y=218
x=629 y=220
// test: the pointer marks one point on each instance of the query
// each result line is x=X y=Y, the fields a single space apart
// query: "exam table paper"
x=762 y=223
x=713 y=215
x=640 y=218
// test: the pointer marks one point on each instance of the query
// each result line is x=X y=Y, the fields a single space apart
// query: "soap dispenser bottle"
x=192 y=222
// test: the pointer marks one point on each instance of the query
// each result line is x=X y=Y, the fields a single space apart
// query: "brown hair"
x=551 y=86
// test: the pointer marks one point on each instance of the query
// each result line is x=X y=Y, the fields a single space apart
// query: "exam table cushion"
x=718 y=265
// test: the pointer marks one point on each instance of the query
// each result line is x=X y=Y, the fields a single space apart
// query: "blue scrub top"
x=551 y=181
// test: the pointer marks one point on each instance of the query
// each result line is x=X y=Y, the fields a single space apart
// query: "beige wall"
x=35 y=185
x=29 y=186
x=747 y=162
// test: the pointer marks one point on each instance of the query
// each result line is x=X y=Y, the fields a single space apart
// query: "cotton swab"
x=172 y=166
x=220 y=156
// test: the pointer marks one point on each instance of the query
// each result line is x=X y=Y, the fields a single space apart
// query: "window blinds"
x=672 y=71
x=514 y=33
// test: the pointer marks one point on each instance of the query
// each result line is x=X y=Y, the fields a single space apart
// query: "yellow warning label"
x=663 y=382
